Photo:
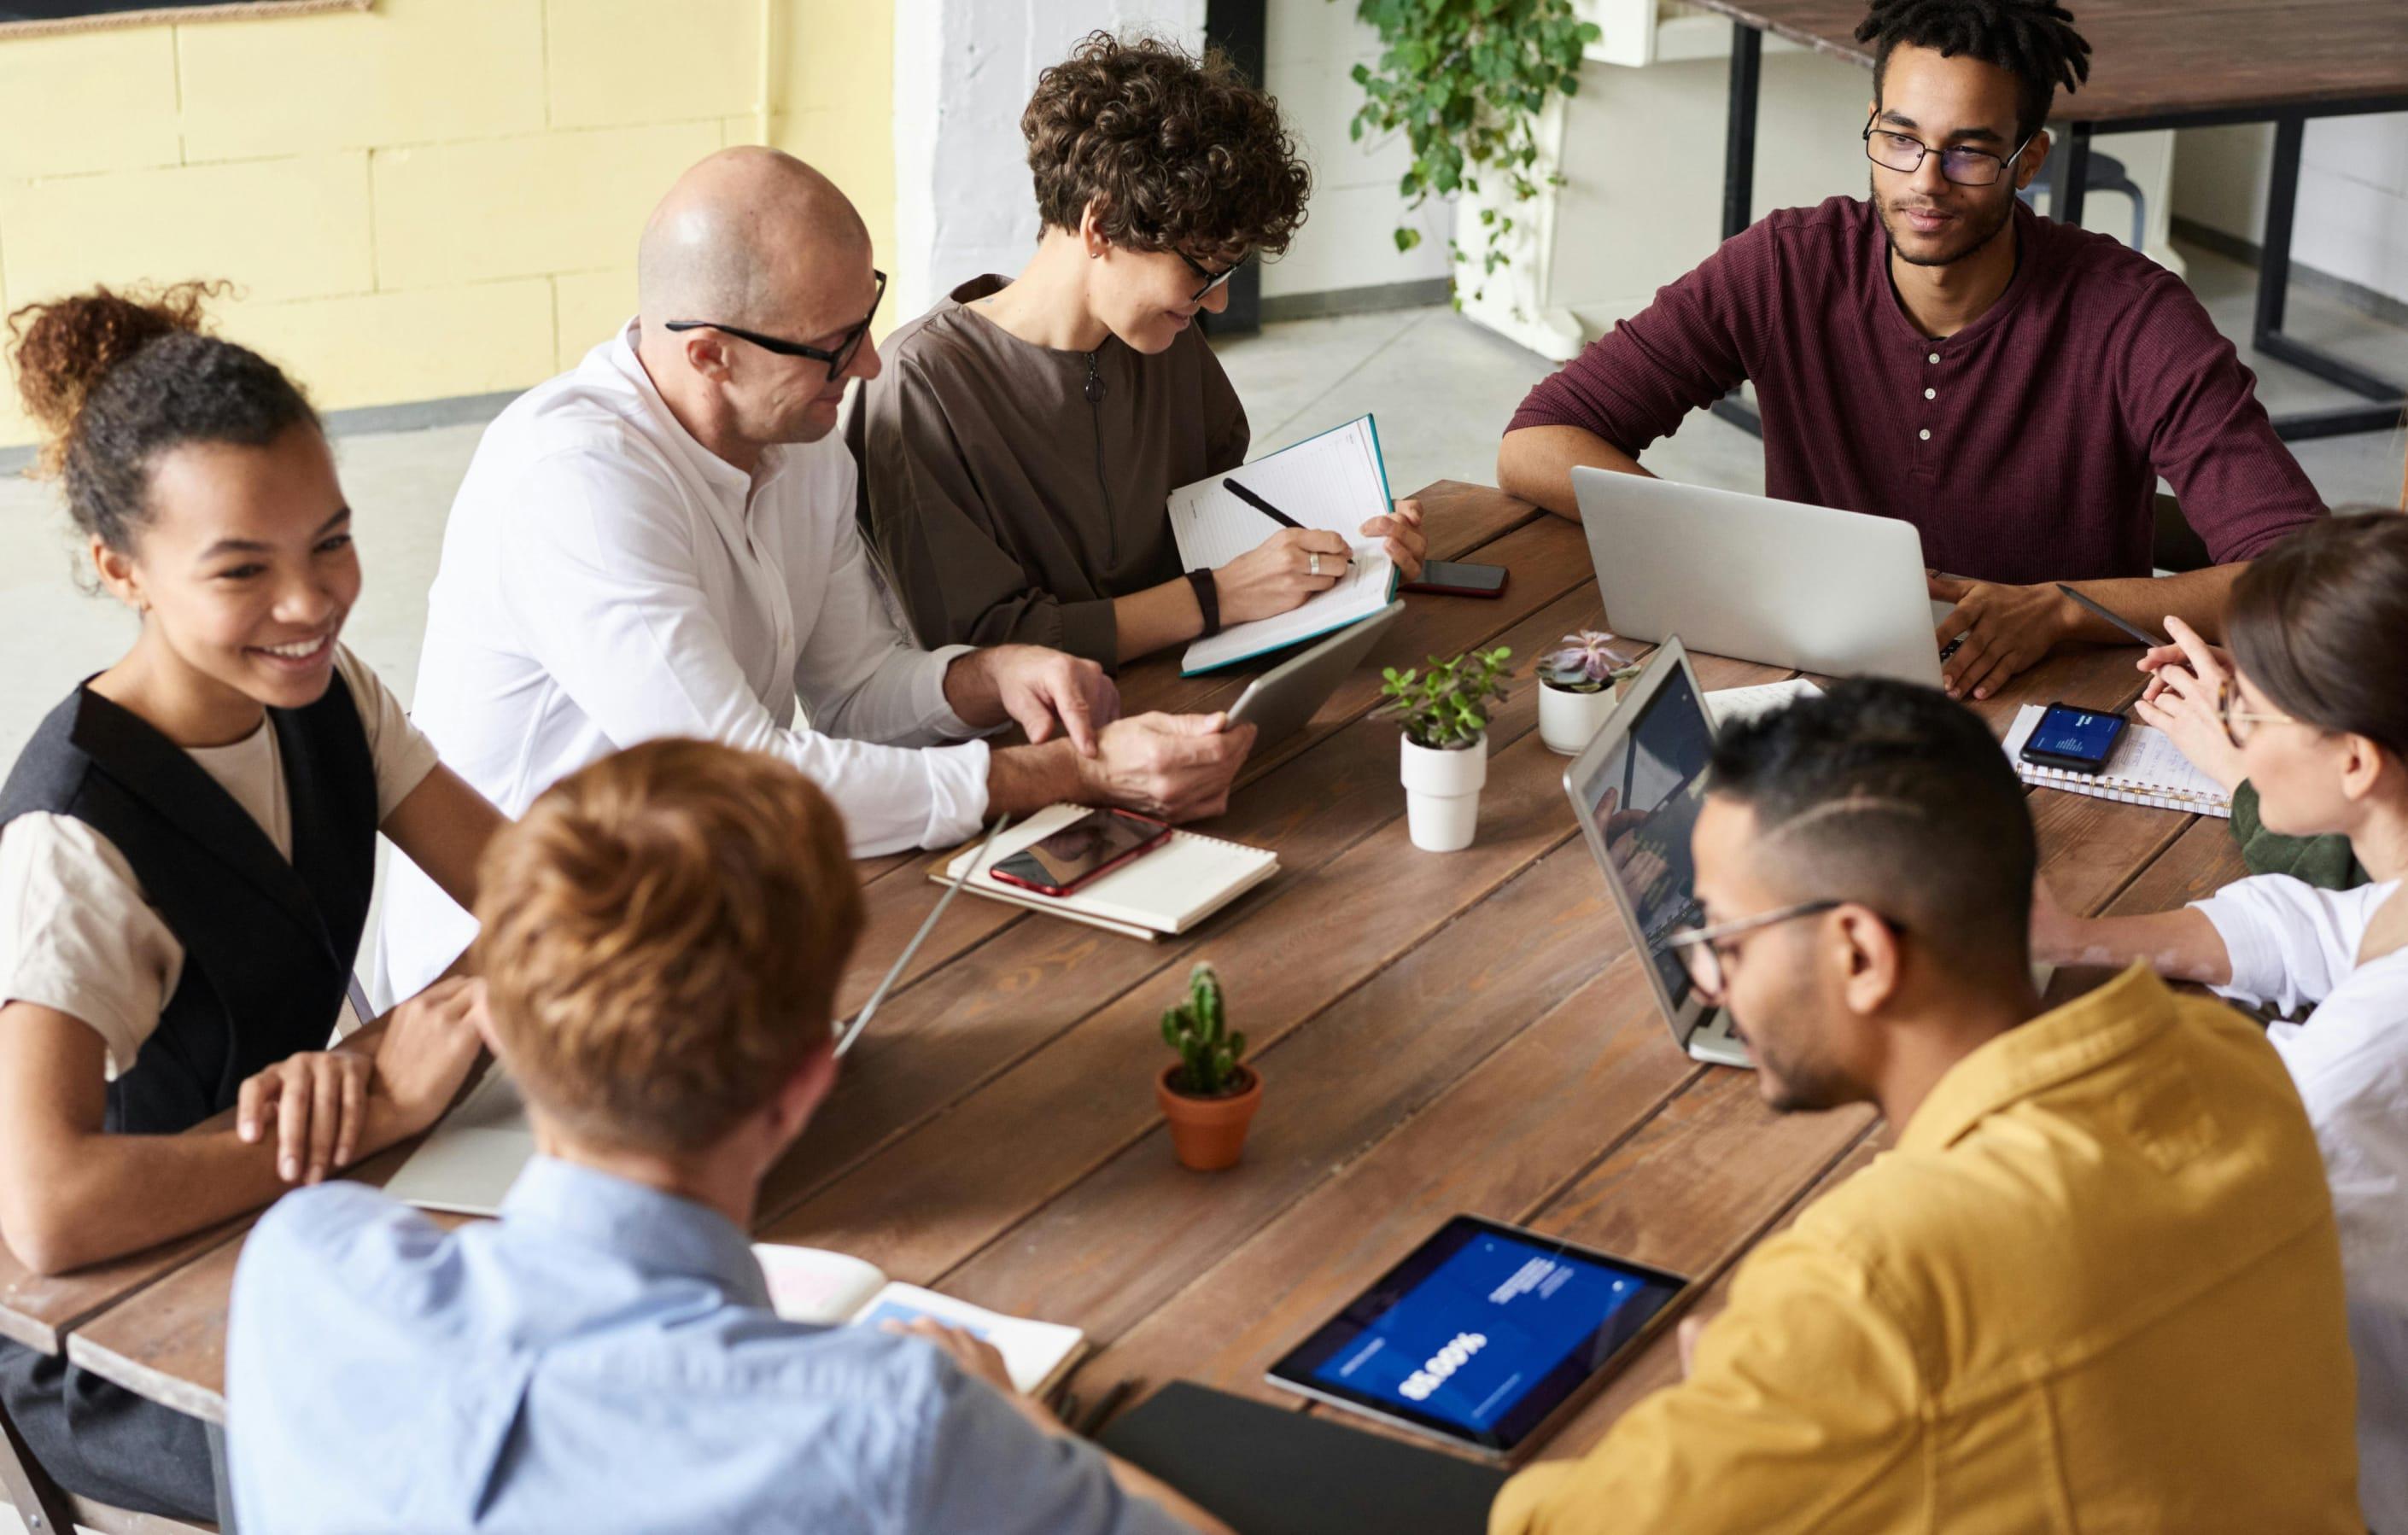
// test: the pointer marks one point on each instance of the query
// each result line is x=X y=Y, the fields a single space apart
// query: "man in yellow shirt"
x=2096 y=1286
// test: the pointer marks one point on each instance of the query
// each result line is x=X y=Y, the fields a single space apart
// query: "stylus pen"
x=2144 y=636
x=861 y=1020
x=1249 y=499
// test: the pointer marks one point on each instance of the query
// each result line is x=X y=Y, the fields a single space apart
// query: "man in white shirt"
x=661 y=542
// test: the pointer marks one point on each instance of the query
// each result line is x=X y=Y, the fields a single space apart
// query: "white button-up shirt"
x=607 y=579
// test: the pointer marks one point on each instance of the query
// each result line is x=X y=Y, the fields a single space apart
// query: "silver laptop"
x=1835 y=593
x=1284 y=700
x=1635 y=790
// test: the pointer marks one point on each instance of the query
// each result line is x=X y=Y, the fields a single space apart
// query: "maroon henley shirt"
x=2025 y=447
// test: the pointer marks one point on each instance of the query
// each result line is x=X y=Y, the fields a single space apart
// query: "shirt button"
x=1931 y=393
x=1925 y=434
x=1933 y=358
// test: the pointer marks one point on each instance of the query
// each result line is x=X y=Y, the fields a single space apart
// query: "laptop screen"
x=1643 y=801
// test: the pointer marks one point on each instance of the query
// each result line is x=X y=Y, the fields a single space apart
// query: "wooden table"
x=2156 y=63
x=1439 y=1033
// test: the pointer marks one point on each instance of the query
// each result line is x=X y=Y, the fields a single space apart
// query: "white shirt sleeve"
x=77 y=933
x=605 y=596
x=2350 y=1063
x=2290 y=942
x=402 y=754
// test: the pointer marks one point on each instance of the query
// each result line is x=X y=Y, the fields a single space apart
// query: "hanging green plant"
x=1465 y=81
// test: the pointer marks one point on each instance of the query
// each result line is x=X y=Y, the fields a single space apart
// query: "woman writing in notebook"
x=1017 y=451
x=187 y=846
x=2315 y=714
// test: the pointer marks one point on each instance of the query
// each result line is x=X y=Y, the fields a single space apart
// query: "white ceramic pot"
x=1443 y=793
x=1568 y=721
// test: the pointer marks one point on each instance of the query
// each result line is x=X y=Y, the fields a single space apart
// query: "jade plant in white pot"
x=1444 y=712
x=1577 y=688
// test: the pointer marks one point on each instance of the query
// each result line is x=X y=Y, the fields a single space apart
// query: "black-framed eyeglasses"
x=1706 y=950
x=1212 y=279
x=838 y=360
x=1961 y=163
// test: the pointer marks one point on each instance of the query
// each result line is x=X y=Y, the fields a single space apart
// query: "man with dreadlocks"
x=1936 y=351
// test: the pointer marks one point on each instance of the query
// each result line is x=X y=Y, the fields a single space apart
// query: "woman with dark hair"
x=1017 y=452
x=2316 y=711
x=187 y=846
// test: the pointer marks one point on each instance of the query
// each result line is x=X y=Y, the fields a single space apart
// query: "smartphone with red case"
x=1452 y=578
x=1095 y=844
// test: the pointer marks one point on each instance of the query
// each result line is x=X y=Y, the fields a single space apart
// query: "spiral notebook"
x=2145 y=769
x=1164 y=892
x=1335 y=482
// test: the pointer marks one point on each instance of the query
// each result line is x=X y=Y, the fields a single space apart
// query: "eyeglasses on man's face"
x=1210 y=278
x=837 y=358
x=1705 y=949
x=1961 y=163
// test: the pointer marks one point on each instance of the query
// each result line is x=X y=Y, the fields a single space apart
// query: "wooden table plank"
x=2152 y=58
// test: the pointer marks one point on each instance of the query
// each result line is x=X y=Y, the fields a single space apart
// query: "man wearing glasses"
x=1935 y=352
x=661 y=542
x=2093 y=1284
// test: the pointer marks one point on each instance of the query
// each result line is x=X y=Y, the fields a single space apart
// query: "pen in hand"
x=1249 y=499
x=2144 y=636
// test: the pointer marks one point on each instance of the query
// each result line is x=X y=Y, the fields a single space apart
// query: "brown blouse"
x=1013 y=490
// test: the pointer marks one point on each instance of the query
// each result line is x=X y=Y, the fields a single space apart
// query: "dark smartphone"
x=1454 y=578
x=2080 y=740
x=1096 y=844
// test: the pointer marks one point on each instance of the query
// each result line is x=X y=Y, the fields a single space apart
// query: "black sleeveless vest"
x=268 y=945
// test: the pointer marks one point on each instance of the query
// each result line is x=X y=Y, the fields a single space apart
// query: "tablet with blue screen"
x=1483 y=1337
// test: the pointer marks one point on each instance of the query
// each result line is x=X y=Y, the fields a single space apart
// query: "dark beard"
x=1880 y=208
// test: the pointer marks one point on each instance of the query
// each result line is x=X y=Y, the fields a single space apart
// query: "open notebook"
x=2145 y=769
x=1166 y=891
x=809 y=1284
x=1334 y=481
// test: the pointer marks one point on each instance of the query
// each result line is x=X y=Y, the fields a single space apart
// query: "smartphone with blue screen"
x=2078 y=740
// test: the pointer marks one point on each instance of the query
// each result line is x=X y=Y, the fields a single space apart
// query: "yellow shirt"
x=2096 y=1287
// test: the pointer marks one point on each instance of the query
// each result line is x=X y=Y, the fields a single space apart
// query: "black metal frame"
x=2069 y=176
x=1240 y=28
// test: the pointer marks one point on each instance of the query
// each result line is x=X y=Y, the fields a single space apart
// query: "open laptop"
x=1836 y=593
x=1635 y=790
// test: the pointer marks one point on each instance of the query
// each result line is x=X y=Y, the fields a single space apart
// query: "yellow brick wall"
x=435 y=198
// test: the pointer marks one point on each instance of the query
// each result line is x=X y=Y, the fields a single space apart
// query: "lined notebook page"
x=1334 y=481
x=2147 y=768
x=1166 y=891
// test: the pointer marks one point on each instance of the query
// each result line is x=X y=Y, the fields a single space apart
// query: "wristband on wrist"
x=1208 y=600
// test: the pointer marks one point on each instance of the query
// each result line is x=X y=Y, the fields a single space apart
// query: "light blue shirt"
x=603 y=1358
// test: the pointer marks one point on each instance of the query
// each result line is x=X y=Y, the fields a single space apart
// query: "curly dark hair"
x=2033 y=40
x=1173 y=152
x=116 y=380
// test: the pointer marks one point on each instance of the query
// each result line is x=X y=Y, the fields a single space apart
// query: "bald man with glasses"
x=1937 y=352
x=661 y=542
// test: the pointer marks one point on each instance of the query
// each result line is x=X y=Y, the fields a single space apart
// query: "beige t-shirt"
x=77 y=932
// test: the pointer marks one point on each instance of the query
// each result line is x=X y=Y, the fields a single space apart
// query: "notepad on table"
x=1165 y=891
x=2145 y=769
x=1334 y=481
x=809 y=1285
x=475 y=1153
x=1730 y=705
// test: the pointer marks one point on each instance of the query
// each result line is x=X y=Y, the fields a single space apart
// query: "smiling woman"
x=187 y=846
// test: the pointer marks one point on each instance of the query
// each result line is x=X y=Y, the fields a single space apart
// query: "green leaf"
x=1406 y=238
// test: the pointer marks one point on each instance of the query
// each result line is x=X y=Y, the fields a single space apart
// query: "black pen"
x=2134 y=630
x=1249 y=499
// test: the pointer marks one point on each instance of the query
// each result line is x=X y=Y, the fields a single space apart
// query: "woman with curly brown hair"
x=1018 y=450
x=187 y=846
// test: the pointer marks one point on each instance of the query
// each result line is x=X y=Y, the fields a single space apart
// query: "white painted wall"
x=1311 y=48
x=2352 y=218
x=963 y=71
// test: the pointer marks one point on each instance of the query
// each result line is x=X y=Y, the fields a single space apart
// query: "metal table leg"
x=1739 y=176
x=2070 y=177
x=221 y=1478
x=2274 y=292
x=40 y=1504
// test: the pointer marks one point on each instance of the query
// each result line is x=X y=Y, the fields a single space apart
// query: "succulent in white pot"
x=1444 y=712
x=1576 y=687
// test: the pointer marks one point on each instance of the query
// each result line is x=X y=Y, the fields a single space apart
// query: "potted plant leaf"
x=1209 y=1093
x=1576 y=688
x=1444 y=711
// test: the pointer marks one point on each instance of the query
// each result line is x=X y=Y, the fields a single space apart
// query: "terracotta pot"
x=1209 y=1133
